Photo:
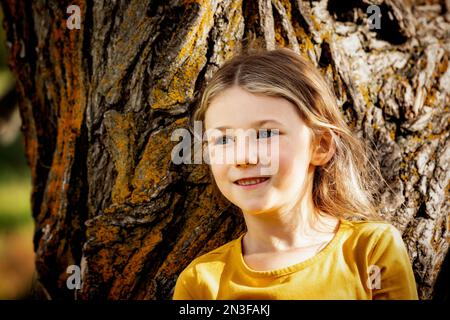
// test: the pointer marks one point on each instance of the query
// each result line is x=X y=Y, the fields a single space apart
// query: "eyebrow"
x=255 y=124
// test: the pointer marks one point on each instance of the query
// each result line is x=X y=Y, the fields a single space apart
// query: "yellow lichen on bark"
x=188 y=63
x=121 y=137
x=152 y=171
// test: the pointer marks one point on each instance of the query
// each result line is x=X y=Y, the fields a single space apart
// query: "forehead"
x=237 y=108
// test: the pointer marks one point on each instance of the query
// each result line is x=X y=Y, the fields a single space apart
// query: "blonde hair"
x=348 y=185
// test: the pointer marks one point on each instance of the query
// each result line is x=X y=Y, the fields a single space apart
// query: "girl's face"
x=235 y=109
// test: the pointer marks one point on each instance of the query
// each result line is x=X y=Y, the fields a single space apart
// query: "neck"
x=288 y=229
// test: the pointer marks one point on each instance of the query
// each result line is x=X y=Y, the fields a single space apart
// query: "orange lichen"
x=107 y=235
x=119 y=131
x=365 y=94
x=153 y=168
x=404 y=177
x=305 y=42
x=316 y=24
x=392 y=134
x=189 y=61
x=431 y=135
x=287 y=5
x=430 y=98
x=71 y=110
x=142 y=244
x=103 y=261
x=279 y=39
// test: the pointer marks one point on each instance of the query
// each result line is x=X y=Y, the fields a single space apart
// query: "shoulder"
x=369 y=230
x=200 y=278
x=371 y=234
x=211 y=262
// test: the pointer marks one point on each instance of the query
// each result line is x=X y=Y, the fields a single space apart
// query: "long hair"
x=347 y=186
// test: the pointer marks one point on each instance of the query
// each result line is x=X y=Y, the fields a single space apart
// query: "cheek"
x=293 y=161
x=219 y=172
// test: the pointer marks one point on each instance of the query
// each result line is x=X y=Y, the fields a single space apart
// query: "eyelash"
x=220 y=139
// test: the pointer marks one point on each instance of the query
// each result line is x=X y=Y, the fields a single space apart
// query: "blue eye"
x=267 y=133
x=222 y=140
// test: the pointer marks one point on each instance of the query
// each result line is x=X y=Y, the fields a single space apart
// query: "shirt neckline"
x=292 y=268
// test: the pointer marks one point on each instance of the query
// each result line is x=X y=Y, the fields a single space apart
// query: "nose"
x=246 y=151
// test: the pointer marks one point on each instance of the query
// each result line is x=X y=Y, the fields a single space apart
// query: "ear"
x=324 y=148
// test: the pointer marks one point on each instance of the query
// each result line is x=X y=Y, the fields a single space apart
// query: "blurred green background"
x=16 y=223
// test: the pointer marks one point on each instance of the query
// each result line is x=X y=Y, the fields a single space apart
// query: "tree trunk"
x=99 y=105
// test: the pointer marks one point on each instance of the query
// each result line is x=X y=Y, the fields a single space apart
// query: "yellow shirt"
x=364 y=260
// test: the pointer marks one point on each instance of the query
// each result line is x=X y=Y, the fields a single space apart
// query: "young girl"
x=313 y=230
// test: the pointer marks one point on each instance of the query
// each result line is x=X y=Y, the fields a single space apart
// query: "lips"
x=251 y=181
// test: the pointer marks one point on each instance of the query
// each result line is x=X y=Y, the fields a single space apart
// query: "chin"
x=253 y=209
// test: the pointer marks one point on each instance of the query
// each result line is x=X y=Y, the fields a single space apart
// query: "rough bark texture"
x=99 y=105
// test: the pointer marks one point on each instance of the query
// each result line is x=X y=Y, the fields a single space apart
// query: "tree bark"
x=99 y=105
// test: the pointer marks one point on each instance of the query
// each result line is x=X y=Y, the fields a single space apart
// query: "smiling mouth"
x=251 y=181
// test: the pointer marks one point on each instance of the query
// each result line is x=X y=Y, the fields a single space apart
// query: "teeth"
x=250 y=181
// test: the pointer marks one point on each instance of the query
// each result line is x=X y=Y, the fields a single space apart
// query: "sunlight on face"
x=231 y=116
